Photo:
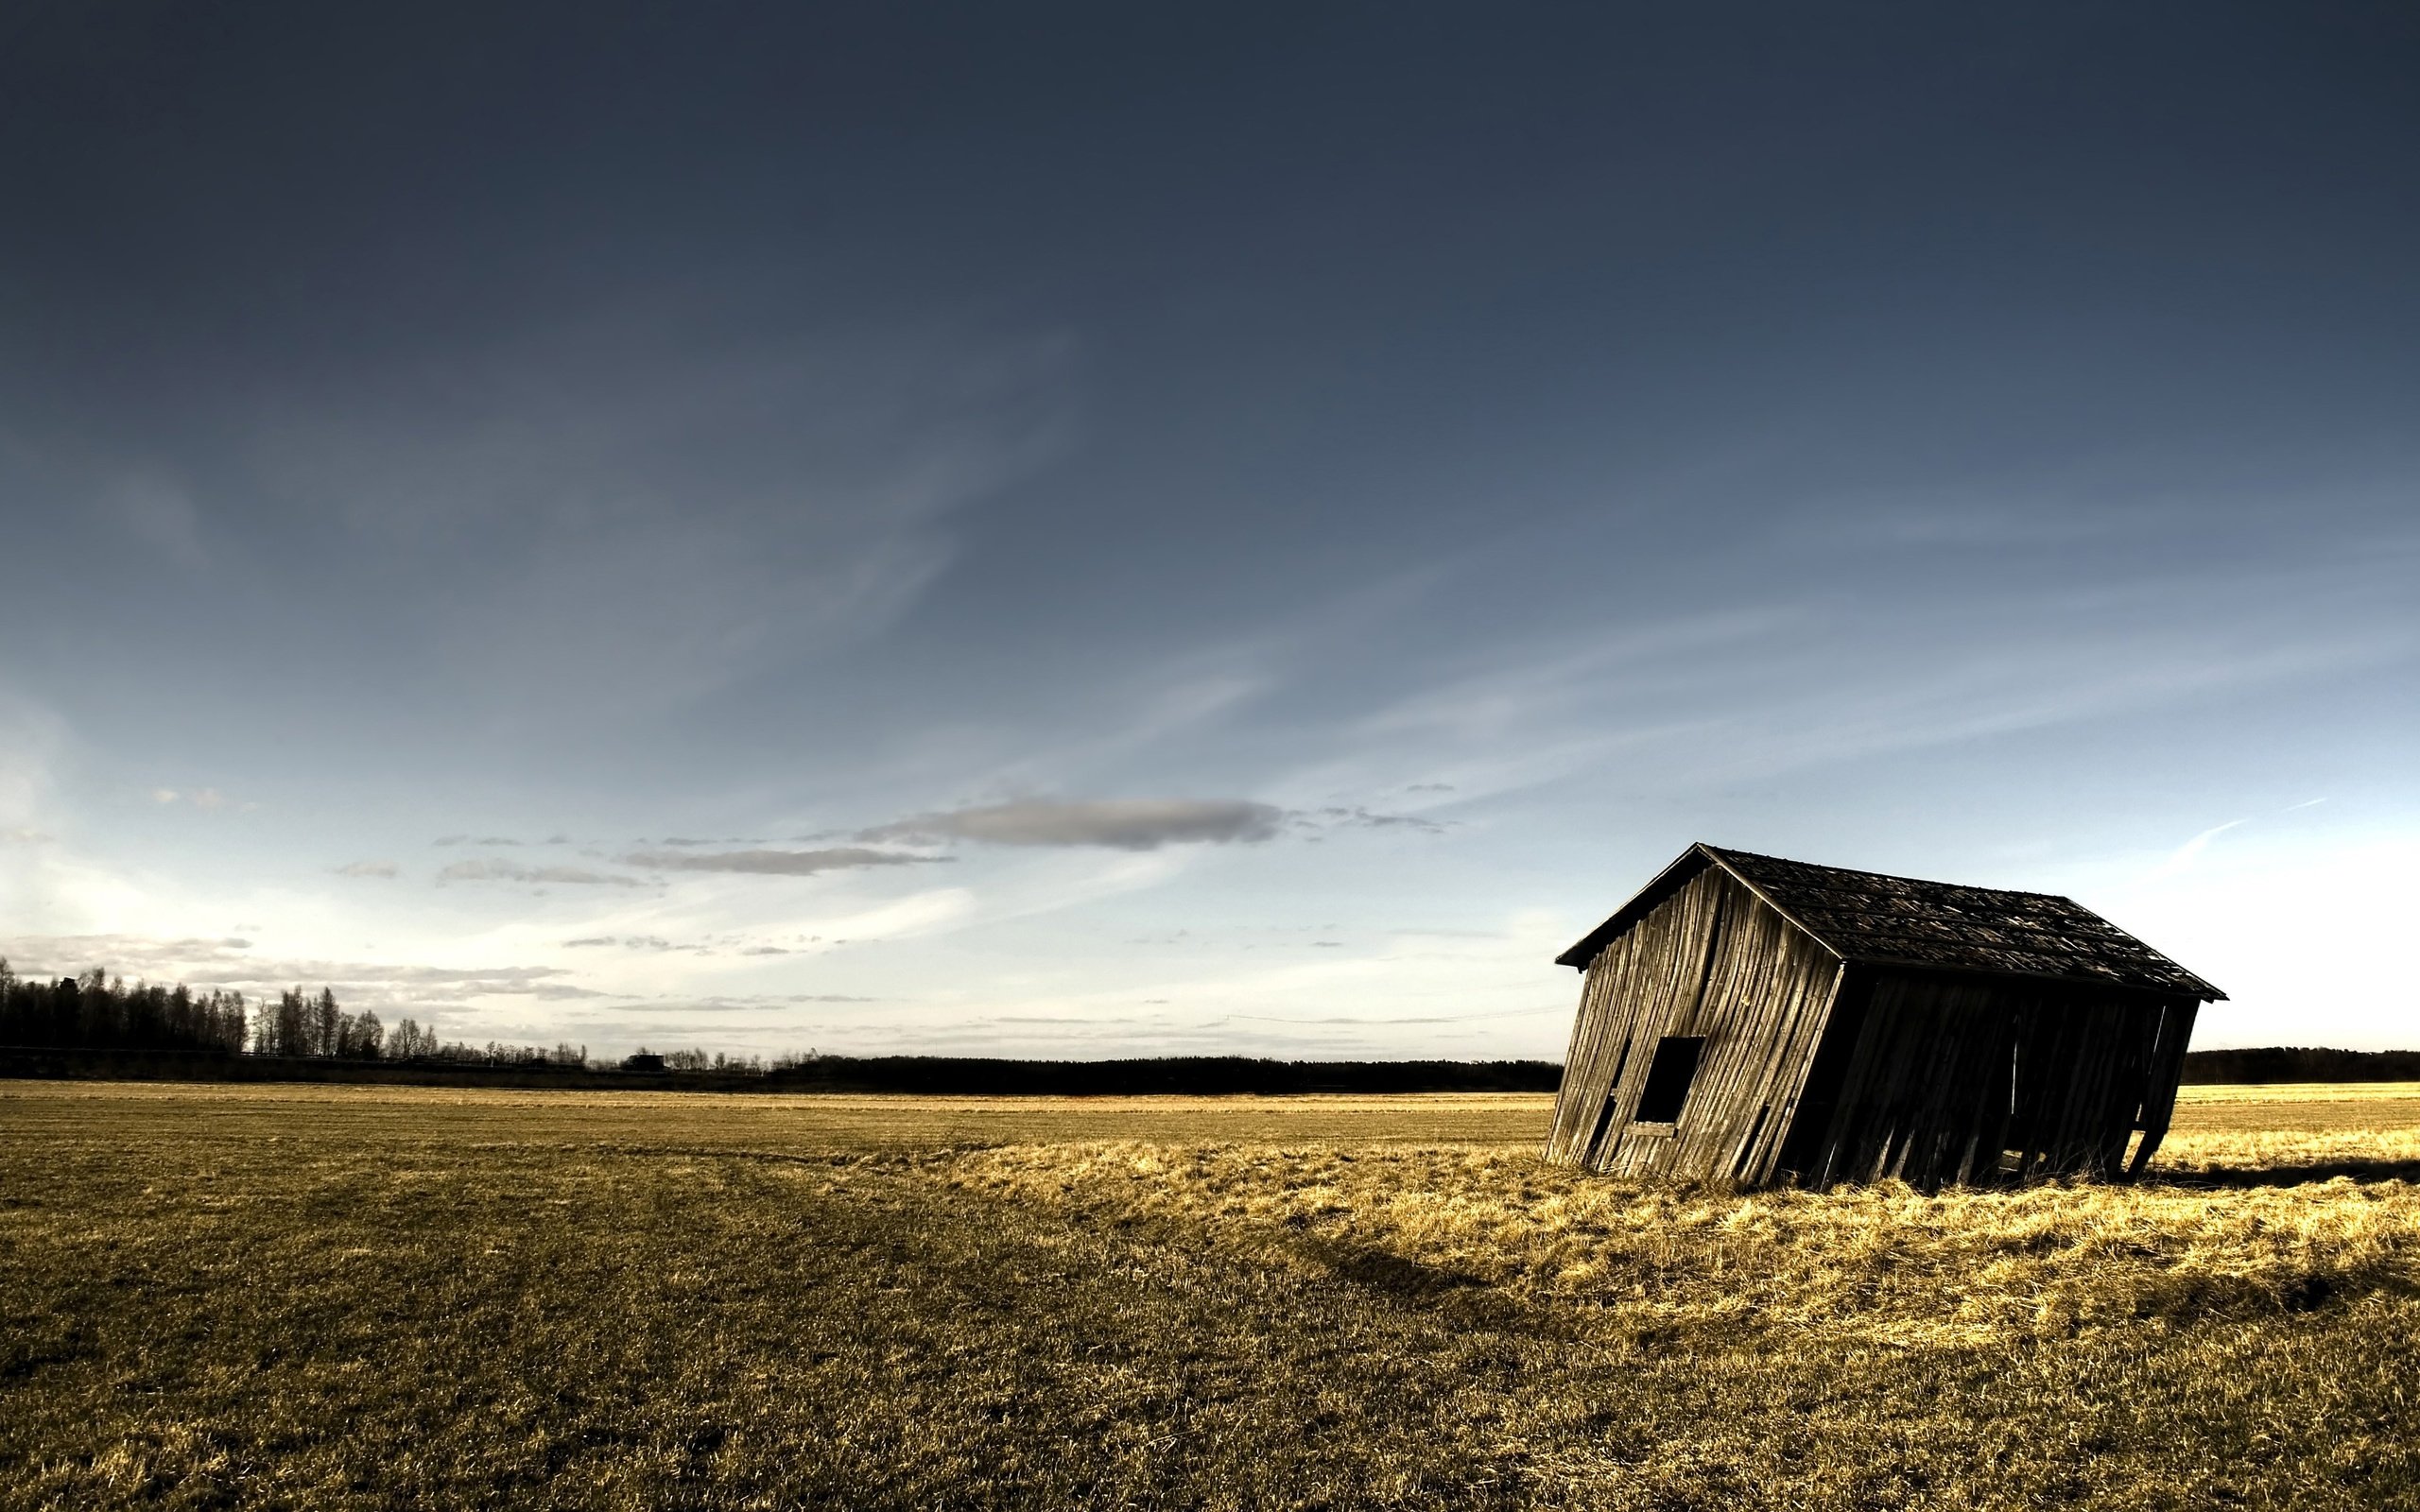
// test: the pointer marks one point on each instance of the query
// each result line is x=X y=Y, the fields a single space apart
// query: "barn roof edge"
x=1873 y=918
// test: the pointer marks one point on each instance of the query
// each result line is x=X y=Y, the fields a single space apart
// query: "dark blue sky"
x=1236 y=529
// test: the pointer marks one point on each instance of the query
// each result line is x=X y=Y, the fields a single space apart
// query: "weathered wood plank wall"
x=1975 y=1080
x=1712 y=960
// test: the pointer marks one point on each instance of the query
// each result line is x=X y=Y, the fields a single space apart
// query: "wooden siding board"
x=1585 y=1067
x=1807 y=1144
x=2174 y=1031
x=1774 y=1093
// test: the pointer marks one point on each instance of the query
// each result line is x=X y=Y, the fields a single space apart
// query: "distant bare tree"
x=361 y=1036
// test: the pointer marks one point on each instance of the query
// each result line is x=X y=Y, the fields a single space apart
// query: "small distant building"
x=1775 y=1023
x=644 y=1064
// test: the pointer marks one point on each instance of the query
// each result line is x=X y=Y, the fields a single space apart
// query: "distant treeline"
x=2278 y=1063
x=99 y=1012
x=1205 y=1075
x=92 y=1011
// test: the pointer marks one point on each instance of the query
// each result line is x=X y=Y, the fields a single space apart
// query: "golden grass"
x=392 y=1297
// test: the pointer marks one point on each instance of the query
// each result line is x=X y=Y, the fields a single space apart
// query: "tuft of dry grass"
x=384 y=1296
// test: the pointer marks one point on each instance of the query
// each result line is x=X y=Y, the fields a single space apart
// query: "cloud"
x=742 y=1002
x=485 y=870
x=774 y=863
x=207 y=798
x=1357 y=818
x=1124 y=824
x=490 y=977
x=367 y=869
x=216 y=962
x=27 y=836
x=465 y=839
x=2183 y=856
x=131 y=953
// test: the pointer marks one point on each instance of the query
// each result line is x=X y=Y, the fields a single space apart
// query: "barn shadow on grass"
x=1391 y=1275
x=1454 y=1299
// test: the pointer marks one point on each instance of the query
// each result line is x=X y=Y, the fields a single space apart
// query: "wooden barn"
x=1776 y=1024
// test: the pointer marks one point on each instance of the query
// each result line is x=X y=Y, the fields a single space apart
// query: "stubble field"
x=383 y=1296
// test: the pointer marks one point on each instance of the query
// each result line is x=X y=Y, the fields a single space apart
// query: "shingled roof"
x=1875 y=919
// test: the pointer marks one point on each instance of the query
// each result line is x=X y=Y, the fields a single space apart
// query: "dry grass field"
x=383 y=1296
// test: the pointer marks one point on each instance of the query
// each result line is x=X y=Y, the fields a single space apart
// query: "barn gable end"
x=1709 y=962
x=1768 y=1022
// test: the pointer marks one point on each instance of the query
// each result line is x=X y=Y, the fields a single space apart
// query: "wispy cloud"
x=774 y=863
x=131 y=953
x=209 y=800
x=228 y=961
x=2183 y=857
x=367 y=869
x=1123 y=824
x=739 y=1003
x=692 y=500
x=1362 y=818
x=483 y=869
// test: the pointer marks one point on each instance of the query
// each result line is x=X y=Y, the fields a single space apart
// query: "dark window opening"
x=1667 y=1078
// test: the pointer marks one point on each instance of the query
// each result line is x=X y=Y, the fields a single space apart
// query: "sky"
x=1085 y=531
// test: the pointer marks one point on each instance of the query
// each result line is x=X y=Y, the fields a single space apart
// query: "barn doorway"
x=1668 y=1076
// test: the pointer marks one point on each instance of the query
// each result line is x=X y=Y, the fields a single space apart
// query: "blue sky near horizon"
x=1088 y=530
